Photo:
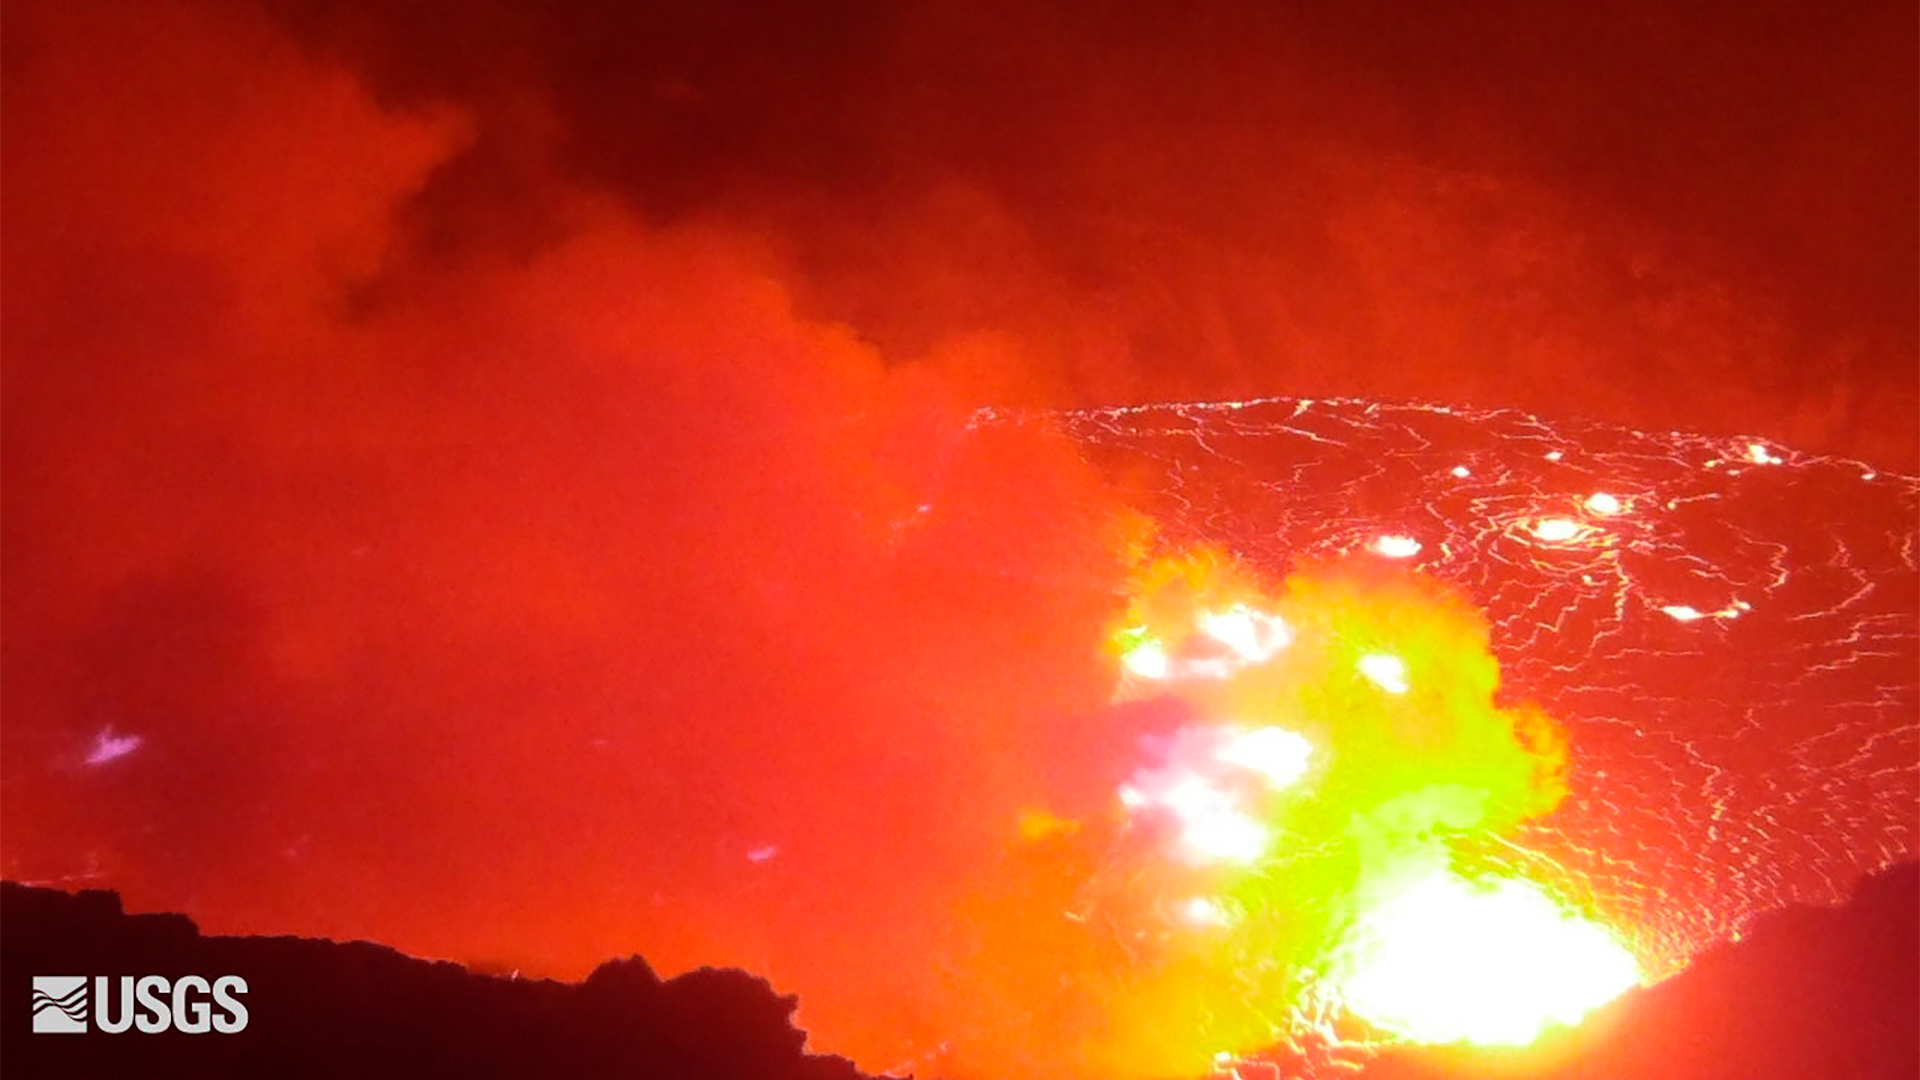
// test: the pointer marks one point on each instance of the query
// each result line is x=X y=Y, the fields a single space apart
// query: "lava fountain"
x=1318 y=838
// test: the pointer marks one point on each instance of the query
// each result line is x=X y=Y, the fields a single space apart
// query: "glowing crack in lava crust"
x=1721 y=628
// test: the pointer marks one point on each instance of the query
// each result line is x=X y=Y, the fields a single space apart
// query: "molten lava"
x=1326 y=829
x=1494 y=962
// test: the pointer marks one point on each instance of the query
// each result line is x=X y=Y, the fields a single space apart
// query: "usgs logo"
x=150 y=1003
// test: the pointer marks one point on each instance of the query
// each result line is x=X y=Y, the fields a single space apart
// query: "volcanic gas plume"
x=476 y=489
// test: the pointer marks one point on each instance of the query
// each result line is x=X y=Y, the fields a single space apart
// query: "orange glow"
x=534 y=506
x=1041 y=825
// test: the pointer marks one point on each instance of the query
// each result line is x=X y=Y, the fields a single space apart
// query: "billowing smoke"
x=527 y=611
x=1667 y=217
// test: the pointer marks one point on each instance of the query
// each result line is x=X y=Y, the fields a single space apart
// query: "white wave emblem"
x=59 y=1004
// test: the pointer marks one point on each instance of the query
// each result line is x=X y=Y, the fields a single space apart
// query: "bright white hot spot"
x=1148 y=660
x=1205 y=911
x=1556 y=530
x=1254 y=636
x=1226 y=836
x=1386 y=671
x=1278 y=755
x=1449 y=960
x=1212 y=828
x=1689 y=613
x=1602 y=503
x=1396 y=547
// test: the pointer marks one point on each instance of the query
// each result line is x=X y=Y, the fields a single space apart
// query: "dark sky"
x=1697 y=216
x=508 y=464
